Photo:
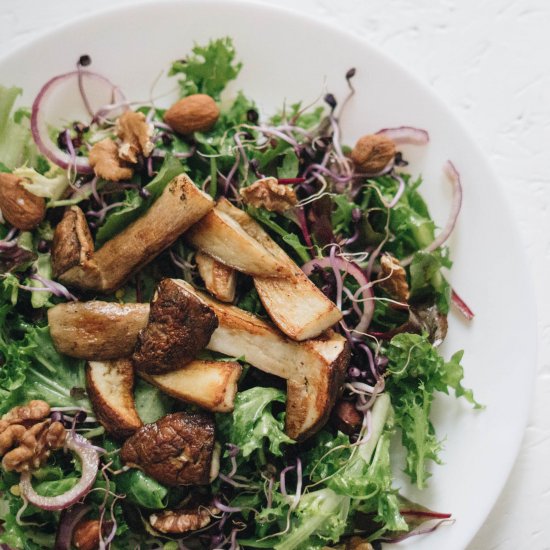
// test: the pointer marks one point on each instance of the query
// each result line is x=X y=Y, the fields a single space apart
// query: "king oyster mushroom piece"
x=180 y=205
x=180 y=325
x=175 y=450
x=211 y=385
x=73 y=246
x=110 y=386
x=314 y=369
x=295 y=304
x=219 y=280
x=96 y=330
x=222 y=238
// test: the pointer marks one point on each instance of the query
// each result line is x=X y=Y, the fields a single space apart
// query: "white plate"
x=290 y=57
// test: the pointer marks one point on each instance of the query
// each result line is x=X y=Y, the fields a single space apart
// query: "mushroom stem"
x=295 y=304
x=314 y=369
x=180 y=205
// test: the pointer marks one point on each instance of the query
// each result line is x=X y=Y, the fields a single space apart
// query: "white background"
x=489 y=60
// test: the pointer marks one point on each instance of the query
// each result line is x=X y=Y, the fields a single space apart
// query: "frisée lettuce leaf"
x=417 y=372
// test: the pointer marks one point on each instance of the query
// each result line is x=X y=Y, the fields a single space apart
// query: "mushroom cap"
x=175 y=450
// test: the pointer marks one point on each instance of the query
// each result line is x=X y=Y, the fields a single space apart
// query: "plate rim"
x=312 y=18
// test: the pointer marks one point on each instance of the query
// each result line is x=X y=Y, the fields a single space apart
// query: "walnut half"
x=106 y=163
x=184 y=520
x=269 y=194
x=393 y=278
x=135 y=133
x=27 y=436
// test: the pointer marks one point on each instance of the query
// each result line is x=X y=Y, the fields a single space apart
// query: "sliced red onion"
x=339 y=264
x=68 y=521
x=39 y=121
x=406 y=135
x=421 y=513
x=456 y=204
x=89 y=459
x=301 y=215
x=462 y=306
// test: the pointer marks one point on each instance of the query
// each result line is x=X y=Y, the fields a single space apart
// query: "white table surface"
x=489 y=61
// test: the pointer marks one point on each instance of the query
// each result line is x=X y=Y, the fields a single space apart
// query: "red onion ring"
x=337 y=263
x=456 y=204
x=39 y=127
x=90 y=462
x=406 y=135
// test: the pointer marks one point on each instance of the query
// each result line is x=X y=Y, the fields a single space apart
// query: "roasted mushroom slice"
x=110 y=386
x=175 y=450
x=180 y=205
x=73 y=246
x=295 y=304
x=96 y=330
x=314 y=369
x=211 y=385
x=180 y=325
x=222 y=238
x=219 y=280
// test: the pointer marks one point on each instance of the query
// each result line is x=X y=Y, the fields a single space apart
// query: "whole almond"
x=20 y=207
x=86 y=535
x=194 y=113
x=372 y=153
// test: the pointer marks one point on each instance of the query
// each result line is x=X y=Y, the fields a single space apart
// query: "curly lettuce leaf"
x=417 y=371
x=50 y=186
x=273 y=223
x=16 y=144
x=48 y=375
x=290 y=165
x=320 y=518
x=14 y=363
x=362 y=472
x=254 y=425
x=427 y=281
x=15 y=534
x=208 y=69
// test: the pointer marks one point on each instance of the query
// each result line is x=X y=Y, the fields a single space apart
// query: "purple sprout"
x=54 y=287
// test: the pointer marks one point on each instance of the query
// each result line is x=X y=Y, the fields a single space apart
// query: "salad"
x=216 y=324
